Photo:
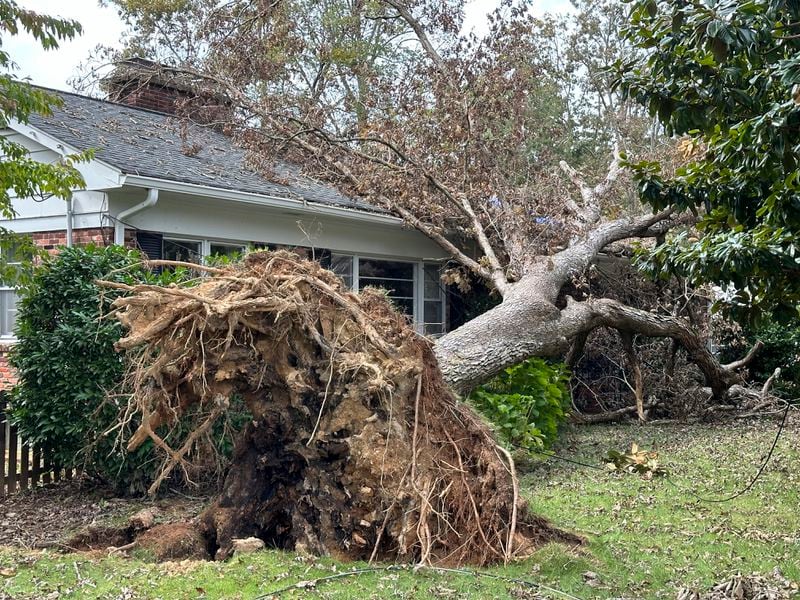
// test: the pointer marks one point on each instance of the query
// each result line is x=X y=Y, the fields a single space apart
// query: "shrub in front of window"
x=526 y=403
x=70 y=389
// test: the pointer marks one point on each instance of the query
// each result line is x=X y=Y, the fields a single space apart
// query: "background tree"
x=20 y=175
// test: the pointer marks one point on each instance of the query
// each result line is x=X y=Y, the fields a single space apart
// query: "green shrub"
x=70 y=396
x=526 y=403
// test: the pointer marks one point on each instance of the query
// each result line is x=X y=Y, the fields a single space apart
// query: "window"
x=9 y=298
x=342 y=265
x=226 y=250
x=397 y=278
x=414 y=287
x=182 y=250
x=8 y=311
x=433 y=316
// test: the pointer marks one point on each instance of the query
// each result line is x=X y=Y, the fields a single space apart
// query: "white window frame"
x=8 y=291
x=205 y=243
x=418 y=318
x=8 y=338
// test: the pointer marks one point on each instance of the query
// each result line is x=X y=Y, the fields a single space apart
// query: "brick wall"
x=8 y=378
x=52 y=240
x=150 y=96
x=200 y=108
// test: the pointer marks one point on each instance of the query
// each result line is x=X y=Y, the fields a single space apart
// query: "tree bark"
x=527 y=325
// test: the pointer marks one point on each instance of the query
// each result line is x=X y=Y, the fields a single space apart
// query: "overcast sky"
x=102 y=26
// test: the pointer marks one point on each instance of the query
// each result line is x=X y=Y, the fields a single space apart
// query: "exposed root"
x=355 y=448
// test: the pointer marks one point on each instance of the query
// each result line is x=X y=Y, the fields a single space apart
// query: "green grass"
x=646 y=539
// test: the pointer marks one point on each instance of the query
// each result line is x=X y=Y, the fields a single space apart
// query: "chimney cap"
x=143 y=71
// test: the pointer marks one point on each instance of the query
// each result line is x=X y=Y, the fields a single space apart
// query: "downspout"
x=119 y=223
x=69 y=222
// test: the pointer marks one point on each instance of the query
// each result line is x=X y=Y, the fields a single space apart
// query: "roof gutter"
x=119 y=222
x=311 y=208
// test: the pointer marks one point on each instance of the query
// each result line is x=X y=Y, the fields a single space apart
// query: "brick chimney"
x=147 y=84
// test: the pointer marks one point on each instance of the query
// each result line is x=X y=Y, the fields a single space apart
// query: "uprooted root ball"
x=356 y=448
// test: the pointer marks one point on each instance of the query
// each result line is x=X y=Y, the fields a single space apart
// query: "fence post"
x=37 y=466
x=12 y=459
x=25 y=467
x=3 y=426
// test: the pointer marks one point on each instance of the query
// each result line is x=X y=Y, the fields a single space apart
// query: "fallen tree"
x=356 y=446
x=345 y=398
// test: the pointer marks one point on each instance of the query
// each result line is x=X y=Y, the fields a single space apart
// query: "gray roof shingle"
x=149 y=144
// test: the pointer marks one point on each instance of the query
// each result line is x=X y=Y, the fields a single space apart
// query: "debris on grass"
x=641 y=462
x=746 y=587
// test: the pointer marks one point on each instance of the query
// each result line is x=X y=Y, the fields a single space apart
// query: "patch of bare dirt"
x=174 y=541
x=49 y=516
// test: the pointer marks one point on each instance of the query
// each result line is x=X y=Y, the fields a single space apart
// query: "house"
x=184 y=191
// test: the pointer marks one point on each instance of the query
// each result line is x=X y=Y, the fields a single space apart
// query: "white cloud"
x=101 y=25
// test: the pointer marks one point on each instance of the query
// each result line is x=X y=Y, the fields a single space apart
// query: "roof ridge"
x=102 y=100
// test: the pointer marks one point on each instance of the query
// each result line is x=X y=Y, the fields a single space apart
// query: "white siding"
x=197 y=217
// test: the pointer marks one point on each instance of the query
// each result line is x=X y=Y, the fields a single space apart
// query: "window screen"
x=183 y=250
x=397 y=278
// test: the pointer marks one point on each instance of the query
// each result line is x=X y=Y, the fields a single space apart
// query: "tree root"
x=355 y=446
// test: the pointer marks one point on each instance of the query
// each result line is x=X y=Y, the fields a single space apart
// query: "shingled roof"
x=151 y=144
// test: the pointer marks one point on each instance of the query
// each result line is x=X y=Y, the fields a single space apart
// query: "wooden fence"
x=23 y=466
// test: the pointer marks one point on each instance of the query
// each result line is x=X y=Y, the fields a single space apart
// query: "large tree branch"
x=446 y=244
x=743 y=362
x=419 y=31
x=589 y=212
x=498 y=274
x=555 y=270
x=610 y=313
x=527 y=325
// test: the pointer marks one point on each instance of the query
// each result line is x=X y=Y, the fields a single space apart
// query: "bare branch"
x=743 y=362
x=419 y=31
x=590 y=212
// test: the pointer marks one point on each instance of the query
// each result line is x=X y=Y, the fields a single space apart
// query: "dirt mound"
x=174 y=541
x=356 y=448
x=100 y=537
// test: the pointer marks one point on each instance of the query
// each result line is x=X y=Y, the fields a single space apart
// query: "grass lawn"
x=646 y=539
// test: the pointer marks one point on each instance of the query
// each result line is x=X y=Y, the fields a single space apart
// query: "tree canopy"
x=20 y=175
x=726 y=75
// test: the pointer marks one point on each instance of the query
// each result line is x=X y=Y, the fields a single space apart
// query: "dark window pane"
x=434 y=329
x=152 y=244
x=385 y=269
x=182 y=250
x=404 y=305
x=433 y=312
x=403 y=289
x=433 y=286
